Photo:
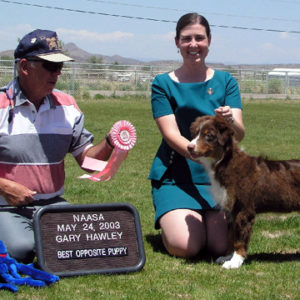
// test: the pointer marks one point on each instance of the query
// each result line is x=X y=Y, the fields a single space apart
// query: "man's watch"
x=107 y=138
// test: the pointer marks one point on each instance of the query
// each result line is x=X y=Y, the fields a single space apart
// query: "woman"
x=184 y=208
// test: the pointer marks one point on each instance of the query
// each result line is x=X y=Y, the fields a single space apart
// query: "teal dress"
x=178 y=182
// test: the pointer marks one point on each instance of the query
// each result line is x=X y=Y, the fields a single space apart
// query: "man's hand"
x=15 y=193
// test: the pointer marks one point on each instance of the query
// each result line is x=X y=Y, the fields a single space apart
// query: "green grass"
x=272 y=270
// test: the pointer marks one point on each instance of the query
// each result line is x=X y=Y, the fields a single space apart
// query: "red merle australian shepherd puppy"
x=242 y=185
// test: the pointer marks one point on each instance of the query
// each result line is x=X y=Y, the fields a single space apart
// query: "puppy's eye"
x=209 y=137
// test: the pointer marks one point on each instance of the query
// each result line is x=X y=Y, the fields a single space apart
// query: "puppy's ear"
x=195 y=127
x=225 y=131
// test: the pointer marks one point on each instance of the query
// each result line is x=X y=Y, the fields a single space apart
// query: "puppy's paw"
x=235 y=262
x=222 y=259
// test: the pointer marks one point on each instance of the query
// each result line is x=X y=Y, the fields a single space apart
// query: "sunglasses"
x=49 y=66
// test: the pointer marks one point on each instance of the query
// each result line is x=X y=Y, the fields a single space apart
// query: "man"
x=38 y=127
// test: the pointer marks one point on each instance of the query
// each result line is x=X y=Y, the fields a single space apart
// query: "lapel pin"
x=210 y=91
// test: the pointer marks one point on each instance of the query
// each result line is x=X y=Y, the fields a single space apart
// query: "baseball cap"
x=43 y=44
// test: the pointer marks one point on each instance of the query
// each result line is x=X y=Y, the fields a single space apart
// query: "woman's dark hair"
x=191 y=19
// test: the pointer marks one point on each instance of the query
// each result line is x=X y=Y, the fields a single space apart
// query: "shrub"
x=99 y=96
x=275 y=86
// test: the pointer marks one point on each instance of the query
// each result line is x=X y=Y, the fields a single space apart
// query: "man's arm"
x=101 y=151
x=15 y=193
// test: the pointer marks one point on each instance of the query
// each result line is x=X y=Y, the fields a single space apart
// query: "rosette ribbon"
x=123 y=137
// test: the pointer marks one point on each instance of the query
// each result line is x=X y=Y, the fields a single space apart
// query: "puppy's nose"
x=191 y=147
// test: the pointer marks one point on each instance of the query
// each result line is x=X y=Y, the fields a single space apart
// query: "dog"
x=242 y=185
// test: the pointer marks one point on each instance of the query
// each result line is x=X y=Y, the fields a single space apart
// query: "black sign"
x=85 y=239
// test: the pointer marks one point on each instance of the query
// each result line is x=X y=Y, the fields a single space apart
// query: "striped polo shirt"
x=33 y=144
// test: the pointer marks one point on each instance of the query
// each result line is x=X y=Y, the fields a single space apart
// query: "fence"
x=86 y=80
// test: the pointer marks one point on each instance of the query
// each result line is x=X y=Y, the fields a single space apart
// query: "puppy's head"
x=211 y=137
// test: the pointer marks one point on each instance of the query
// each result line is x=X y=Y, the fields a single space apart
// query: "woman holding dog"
x=184 y=208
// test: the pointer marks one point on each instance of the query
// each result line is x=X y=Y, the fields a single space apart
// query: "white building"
x=289 y=75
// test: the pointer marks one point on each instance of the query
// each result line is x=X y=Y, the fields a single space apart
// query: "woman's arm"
x=171 y=134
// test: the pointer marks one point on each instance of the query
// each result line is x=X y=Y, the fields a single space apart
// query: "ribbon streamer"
x=123 y=137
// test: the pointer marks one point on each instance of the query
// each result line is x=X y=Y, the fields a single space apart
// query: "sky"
x=145 y=29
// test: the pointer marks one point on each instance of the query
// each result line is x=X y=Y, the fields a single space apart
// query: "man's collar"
x=20 y=98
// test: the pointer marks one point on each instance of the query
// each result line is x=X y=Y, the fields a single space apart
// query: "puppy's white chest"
x=219 y=193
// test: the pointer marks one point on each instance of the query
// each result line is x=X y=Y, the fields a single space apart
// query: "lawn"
x=272 y=270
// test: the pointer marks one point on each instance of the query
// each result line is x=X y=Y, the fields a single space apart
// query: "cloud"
x=267 y=46
x=89 y=36
x=284 y=35
x=11 y=34
x=169 y=36
x=287 y=36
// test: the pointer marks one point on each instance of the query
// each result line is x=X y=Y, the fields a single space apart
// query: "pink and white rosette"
x=123 y=137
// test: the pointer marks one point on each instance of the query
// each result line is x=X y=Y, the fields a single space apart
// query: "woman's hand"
x=225 y=112
x=234 y=117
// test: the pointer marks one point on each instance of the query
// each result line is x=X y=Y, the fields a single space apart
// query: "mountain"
x=75 y=52
x=81 y=55
x=8 y=53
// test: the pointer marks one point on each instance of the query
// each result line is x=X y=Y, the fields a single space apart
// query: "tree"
x=95 y=59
